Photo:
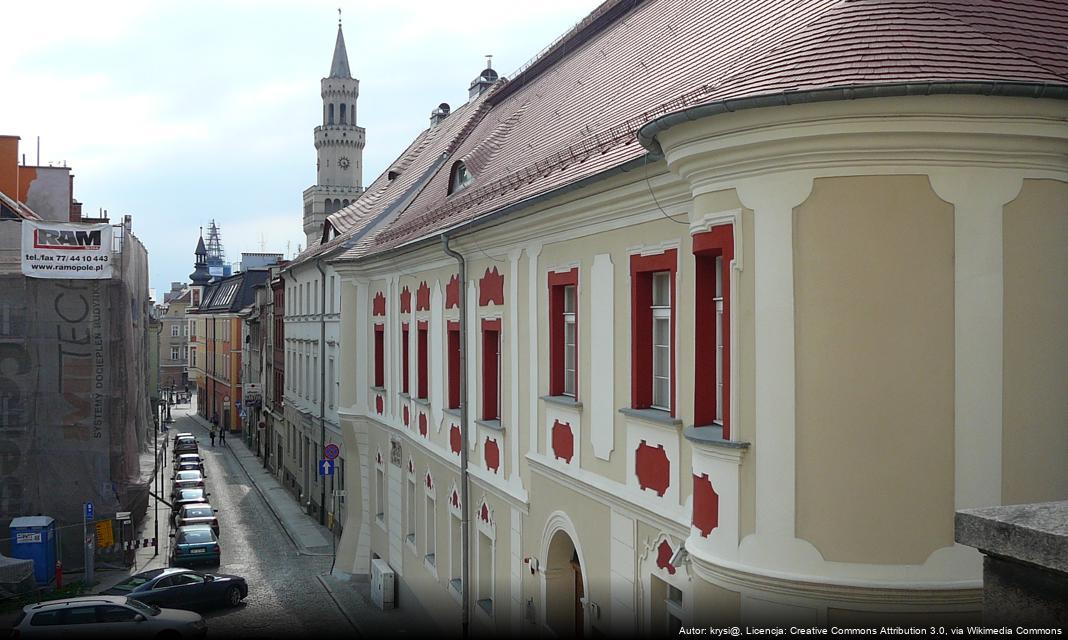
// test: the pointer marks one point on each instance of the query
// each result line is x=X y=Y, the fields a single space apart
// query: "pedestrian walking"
x=212 y=434
x=222 y=436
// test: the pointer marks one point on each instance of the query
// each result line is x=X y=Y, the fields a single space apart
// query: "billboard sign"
x=70 y=251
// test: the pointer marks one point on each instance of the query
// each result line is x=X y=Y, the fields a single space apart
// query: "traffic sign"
x=89 y=511
x=326 y=467
x=331 y=451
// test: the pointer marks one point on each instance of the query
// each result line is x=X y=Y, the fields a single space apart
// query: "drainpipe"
x=322 y=383
x=465 y=536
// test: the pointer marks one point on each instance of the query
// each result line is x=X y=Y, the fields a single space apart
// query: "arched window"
x=343 y=105
x=330 y=120
x=459 y=178
x=344 y=203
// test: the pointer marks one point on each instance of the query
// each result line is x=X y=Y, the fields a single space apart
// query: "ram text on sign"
x=69 y=251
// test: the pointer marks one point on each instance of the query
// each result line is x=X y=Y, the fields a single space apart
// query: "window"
x=174 y=330
x=411 y=511
x=380 y=358
x=455 y=559
x=653 y=331
x=431 y=529
x=174 y=353
x=330 y=385
x=380 y=494
x=491 y=369
x=713 y=252
x=459 y=178
x=332 y=294
x=662 y=340
x=424 y=369
x=563 y=333
x=485 y=573
x=454 y=365
x=405 y=358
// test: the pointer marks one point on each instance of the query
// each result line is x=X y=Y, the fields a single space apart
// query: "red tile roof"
x=573 y=113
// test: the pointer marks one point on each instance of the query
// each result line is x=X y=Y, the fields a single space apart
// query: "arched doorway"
x=565 y=589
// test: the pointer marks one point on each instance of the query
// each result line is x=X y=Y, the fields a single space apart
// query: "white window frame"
x=661 y=316
x=570 y=324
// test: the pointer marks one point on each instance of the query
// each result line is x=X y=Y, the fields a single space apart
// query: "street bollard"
x=59 y=574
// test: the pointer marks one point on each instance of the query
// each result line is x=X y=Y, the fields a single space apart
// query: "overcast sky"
x=180 y=113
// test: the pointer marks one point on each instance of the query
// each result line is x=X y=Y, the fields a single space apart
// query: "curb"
x=352 y=622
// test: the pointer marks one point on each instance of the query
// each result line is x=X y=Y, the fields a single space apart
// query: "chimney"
x=484 y=81
x=439 y=114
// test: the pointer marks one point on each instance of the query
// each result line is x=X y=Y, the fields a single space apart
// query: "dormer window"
x=459 y=178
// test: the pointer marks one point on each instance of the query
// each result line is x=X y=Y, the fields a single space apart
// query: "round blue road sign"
x=331 y=451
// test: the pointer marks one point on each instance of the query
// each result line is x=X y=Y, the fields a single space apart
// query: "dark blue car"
x=176 y=588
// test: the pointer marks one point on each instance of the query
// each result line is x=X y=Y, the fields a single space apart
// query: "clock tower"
x=338 y=144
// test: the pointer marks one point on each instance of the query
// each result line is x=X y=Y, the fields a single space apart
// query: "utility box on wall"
x=383 y=585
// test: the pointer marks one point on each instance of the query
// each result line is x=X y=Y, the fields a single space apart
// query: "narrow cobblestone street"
x=285 y=598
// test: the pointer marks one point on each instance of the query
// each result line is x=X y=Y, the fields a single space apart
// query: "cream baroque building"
x=745 y=323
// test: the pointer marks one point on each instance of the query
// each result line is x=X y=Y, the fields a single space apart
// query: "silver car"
x=106 y=617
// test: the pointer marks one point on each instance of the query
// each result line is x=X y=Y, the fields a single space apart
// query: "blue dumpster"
x=34 y=538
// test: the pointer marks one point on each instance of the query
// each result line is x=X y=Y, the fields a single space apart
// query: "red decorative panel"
x=705 y=505
x=405 y=415
x=422 y=424
x=663 y=557
x=422 y=297
x=491 y=288
x=455 y=499
x=652 y=468
x=379 y=404
x=411 y=466
x=406 y=300
x=429 y=481
x=455 y=439
x=484 y=512
x=452 y=293
x=492 y=455
x=563 y=441
x=378 y=308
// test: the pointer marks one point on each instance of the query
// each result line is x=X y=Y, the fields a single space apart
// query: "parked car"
x=182 y=434
x=106 y=617
x=197 y=514
x=188 y=459
x=186 y=480
x=183 y=588
x=195 y=543
x=186 y=444
x=188 y=496
x=191 y=465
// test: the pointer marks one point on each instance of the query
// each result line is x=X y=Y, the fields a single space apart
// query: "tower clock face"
x=343 y=162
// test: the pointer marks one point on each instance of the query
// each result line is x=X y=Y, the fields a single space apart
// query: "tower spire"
x=339 y=66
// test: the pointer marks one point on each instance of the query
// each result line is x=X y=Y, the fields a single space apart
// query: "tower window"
x=343 y=106
x=330 y=111
x=460 y=177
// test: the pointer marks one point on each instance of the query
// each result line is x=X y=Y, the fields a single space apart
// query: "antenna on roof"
x=489 y=60
x=339 y=16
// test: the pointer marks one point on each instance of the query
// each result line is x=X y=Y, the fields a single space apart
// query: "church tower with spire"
x=338 y=144
x=200 y=276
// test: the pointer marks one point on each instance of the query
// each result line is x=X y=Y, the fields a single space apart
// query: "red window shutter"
x=405 y=358
x=490 y=369
x=379 y=356
x=454 y=365
x=557 y=282
x=642 y=269
x=423 y=367
x=716 y=243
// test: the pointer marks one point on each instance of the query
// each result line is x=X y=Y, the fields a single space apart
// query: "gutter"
x=465 y=481
x=648 y=133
